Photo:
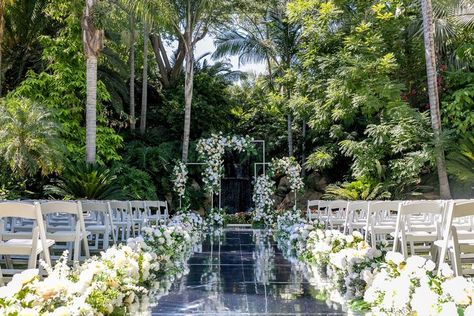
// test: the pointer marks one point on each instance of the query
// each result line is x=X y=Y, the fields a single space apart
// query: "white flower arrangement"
x=263 y=200
x=116 y=282
x=291 y=168
x=180 y=177
x=215 y=218
x=211 y=151
x=350 y=270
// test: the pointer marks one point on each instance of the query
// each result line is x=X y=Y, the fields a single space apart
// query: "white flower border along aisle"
x=119 y=281
x=372 y=280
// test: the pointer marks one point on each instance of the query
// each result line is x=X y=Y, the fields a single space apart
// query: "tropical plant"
x=29 y=140
x=266 y=35
x=3 y=6
x=83 y=180
x=356 y=190
x=460 y=161
x=430 y=56
x=61 y=87
x=135 y=184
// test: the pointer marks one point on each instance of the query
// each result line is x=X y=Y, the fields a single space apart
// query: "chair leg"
x=412 y=248
x=77 y=249
x=105 y=240
x=86 y=247
x=32 y=260
x=8 y=262
x=2 y=281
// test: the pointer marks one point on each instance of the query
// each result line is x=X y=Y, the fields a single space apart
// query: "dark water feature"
x=241 y=272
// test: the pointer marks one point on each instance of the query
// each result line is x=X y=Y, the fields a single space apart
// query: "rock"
x=317 y=182
x=283 y=186
x=289 y=200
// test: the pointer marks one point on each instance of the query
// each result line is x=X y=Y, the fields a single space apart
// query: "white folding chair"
x=121 y=215
x=381 y=220
x=73 y=234
x=138 y=212
x=38 y=244
x=356 y=216
x=310 y=207
x=417 y=222
x=458 y=244
x=98 y=222
x=156 y=211
x=336 y=214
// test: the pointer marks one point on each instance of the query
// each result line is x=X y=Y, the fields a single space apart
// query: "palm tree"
x=264 y=37
x=430 y=56
x=93 y=43
x=132 y=71
x=29 y=140
x=145 y=79
x=3 y=7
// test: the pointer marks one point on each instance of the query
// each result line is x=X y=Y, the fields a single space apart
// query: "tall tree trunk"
x=1 y=70
x=93 y=43
x=145 y=80
x=91 y=128
x=289 y=120
x=132 y=72
x=430 y=57
x=303 y=148
x=290 y=134
x=2 y=29
x=188 y=83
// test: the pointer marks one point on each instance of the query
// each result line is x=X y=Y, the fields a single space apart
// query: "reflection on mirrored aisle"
x=241 y=272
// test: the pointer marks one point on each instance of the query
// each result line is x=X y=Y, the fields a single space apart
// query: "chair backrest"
x=383 y=206
x=358 y=206
x=95 y=206
x=20 y=210
x=421 y=207
x=462 y=208
x=70 y=207
x=137 y=205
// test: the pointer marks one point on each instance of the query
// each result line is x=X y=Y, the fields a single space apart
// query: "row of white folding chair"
x=332 y=213
x=38 y=244
x=64 y=223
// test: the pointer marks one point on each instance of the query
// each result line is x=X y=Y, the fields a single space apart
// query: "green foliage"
x=356 y=190
x=351 y=55
x=460 y=161
x=135 y=183
x=29 y=140
x=458 y=105
x=81 y=180
x=61 y=89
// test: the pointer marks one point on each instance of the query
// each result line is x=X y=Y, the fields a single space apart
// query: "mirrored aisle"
x=241 y=272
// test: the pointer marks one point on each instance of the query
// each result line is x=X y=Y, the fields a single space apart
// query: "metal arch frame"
x=263 y=163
